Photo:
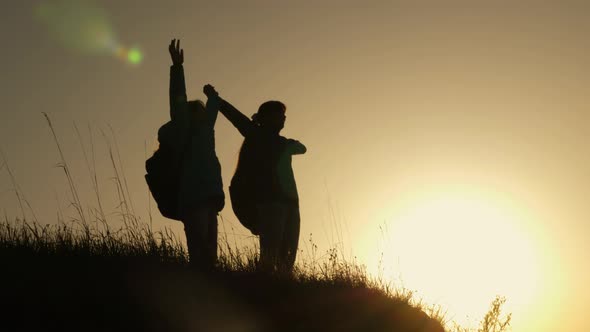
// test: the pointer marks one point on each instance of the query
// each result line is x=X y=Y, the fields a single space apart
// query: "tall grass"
x=22 y=238
x=91 y=235
x=24 y=241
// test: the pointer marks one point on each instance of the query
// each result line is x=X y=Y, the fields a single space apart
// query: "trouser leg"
x=271 y=220
x=290 y=243
x=200 y=226
x=212 y=238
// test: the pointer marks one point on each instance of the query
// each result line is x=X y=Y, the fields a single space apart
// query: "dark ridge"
x=86 y=292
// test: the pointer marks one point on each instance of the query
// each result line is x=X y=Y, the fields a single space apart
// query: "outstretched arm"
x=178 y=99
x=237 y=118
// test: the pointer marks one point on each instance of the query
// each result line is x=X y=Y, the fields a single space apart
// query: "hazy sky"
x=446 y=140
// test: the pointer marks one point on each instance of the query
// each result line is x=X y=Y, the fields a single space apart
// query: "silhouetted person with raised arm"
x=201 y=194
x=263 y=189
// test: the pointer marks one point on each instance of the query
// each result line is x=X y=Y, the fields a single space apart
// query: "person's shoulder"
x=166 y=132
x=172 y=130
x=166 y=128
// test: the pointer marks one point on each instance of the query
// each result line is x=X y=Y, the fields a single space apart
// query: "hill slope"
x=83 y=285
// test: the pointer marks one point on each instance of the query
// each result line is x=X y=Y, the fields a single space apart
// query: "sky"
x=446 y=142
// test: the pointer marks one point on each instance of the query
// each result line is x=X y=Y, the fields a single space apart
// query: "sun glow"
x=460 y=251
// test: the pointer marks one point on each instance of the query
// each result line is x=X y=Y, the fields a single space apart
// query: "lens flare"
x=134 y=56
x=84 y=27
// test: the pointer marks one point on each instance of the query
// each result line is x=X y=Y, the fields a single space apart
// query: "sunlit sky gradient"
x=448 y=141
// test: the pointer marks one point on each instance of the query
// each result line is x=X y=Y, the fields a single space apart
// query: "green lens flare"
x=134 y=56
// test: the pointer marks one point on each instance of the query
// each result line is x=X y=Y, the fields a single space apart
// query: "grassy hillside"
x=91 y=279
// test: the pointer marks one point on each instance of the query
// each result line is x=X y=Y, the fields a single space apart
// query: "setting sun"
x=460 y=250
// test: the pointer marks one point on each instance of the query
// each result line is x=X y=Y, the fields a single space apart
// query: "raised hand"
x=209 y=91
x=176 y=53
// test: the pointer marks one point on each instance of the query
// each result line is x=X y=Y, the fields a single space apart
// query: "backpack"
x=244 y=208
x=163 y=171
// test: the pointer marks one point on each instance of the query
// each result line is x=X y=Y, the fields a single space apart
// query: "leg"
x=290 y=241
x=196 y=227
x=212 y=238
x=271 y=222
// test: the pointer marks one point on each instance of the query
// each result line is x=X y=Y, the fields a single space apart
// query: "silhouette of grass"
x=82 y=274
x=76 y=266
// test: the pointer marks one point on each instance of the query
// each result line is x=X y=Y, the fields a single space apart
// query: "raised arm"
x=211 y=109
x=237 y=118
x=178 y=99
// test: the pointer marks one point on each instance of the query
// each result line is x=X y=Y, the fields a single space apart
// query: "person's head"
x=271 y=115
x=196 y=110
